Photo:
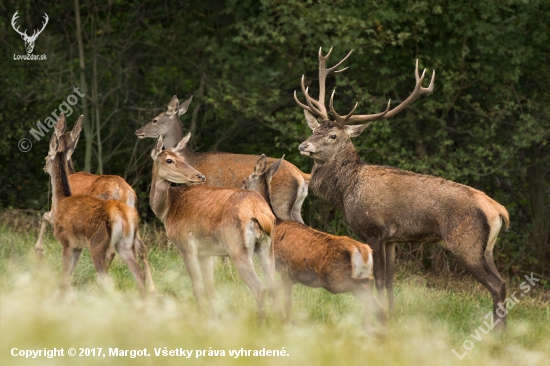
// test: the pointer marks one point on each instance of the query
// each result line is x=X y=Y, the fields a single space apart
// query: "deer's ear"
x=182 y=145
x=311 y=120
x=54 y=144
x=274 y=168
x=173 y=106
x=184 y=106
x=356 y=130
x=70 y=149
x=158 y=148
x=61 y=125
x=77 y=128
x=261 y=165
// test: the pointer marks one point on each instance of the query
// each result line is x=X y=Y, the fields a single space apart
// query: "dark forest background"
x=486 y=124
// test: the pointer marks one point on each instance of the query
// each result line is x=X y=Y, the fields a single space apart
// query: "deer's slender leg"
x=141 y=250
x=390 y=268
x=207 y=271
x=267 y=261
x=363 y=293
x=287 y=284
x=39 y=246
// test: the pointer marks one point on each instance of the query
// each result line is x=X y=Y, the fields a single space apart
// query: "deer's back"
x=102 y=186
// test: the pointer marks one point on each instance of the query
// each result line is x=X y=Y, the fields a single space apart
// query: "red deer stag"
x=384 y=205
x=228 y=170
x=205 y=221
x=84 y=221
x=303 y=255
x=100 y=186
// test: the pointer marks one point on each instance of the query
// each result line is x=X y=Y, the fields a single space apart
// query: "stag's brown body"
x=228 y=170
x=83 y=221
x=205 y=221
x=385 y=205
x=304 y=255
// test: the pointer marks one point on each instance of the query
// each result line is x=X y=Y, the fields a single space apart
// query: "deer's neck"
x=70 y=167
x=173 y=138
x=159 y=198
x=334 y=179
x=59 y=179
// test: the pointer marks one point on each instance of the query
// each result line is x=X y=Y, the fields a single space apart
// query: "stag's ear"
x=61 y=125
x=261 y=166
x=183 y=106
x=182 y=145
x=356 y=130
x=274 y=168
x=311 y=120
x=158 y=148
x=173 y=106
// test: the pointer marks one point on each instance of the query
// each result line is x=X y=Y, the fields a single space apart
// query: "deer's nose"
x=303 y=146
x=201 y=177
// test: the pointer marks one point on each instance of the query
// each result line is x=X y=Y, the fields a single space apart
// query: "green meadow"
x=433 y=316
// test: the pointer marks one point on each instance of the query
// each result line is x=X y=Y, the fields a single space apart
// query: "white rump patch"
x=360 y=269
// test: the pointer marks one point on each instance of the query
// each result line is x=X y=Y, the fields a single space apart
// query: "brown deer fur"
x=205 y=221
x=83 y=221
x=304 y=255
x=385 y=205
x=227 y=170
x=100 y=186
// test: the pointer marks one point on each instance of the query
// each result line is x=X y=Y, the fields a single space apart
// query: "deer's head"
x=165 y=122
x=61 y=141
x=170 y=164
x=333 y=135
x=29 y=40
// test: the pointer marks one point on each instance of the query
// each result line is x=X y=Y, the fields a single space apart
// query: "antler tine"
x=339 y=119
x=369 y=117
x=417 y=92
x=312 y=103
x=13 y=20
x=302 y=104
x=333 y=68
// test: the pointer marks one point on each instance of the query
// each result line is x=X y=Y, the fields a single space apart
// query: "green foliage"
x=486 y=124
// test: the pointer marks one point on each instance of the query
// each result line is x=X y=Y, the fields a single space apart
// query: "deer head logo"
x=29 y=41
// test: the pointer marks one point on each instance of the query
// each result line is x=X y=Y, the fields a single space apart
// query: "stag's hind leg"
x=480 y=264
x=39 y=246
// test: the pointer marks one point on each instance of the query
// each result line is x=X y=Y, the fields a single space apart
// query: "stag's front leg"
x=390 y=268
x=379 y=258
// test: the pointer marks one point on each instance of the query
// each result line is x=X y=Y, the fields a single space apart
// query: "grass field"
x=433 y=316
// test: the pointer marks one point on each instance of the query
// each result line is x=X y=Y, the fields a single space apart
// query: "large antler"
x=13 y=19
x=35 y=34
x=317 y=107
x=24 y=34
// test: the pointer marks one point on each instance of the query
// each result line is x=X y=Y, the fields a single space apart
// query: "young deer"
x=228 y=170
x=205 y=221
x=315 y=259
x=100 y=186
x=84 y=221
x=385 y=205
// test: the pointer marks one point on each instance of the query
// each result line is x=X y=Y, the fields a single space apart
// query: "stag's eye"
x=169 y=161
x=155 y=121
x=333 y=137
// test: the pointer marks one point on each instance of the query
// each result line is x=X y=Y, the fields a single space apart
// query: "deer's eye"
x=155 y=121
x=333 y=137
x=169 y=161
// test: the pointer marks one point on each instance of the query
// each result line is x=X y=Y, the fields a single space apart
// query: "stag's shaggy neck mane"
x=334 y=179
x=59 y=179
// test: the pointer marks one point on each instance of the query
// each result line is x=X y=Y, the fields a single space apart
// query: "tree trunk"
x=85 y=124
x=537 y=198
